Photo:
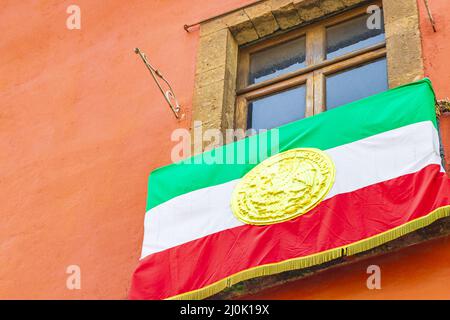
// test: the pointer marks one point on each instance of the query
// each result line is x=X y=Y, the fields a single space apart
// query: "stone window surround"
x=220 y=38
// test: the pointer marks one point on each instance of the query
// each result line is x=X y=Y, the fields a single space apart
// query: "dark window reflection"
x=277 y=60
x=278 y=109
x=352 y=35
x=356 y=83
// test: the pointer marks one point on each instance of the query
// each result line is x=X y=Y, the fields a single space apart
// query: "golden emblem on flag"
x=283 y=186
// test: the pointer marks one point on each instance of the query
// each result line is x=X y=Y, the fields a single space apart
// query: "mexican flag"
x=332 y=185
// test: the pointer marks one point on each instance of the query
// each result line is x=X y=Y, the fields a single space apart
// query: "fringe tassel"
x=315 y=259
x=411 y=226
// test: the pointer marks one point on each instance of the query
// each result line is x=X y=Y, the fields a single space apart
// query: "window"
x=277 y=109
x=355 y=83
x=277 y=60
x=310 y=70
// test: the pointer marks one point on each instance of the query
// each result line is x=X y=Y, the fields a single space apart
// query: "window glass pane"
x=356 y=83
x=352 y=35
x=278 y=109
x=277 y=60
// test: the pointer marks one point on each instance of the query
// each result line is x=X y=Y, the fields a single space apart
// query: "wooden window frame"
x=312 y=75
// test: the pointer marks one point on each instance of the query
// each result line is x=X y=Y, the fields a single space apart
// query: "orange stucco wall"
x=436 y=52
x=82 y=124
x=436 y=45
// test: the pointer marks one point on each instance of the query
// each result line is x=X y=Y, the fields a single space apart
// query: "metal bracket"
x=430 y=16
x=167 y=92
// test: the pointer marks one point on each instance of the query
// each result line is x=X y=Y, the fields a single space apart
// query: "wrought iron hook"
x=430 y=16
x=168 y=94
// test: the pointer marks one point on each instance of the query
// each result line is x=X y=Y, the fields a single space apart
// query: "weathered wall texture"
x=403 y=41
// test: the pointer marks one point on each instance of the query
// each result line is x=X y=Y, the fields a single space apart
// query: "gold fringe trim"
x=317 y=258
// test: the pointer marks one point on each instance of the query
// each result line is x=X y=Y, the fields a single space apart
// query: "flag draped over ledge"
x=352 y=178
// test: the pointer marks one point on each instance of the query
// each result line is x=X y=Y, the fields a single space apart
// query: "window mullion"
x=309 y=107
x=319 y=92
x=315 y=53
x=243 y=70
x=315 y=45
x=240 y=115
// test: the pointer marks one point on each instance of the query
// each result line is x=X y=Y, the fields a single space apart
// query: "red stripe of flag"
x=341 y=220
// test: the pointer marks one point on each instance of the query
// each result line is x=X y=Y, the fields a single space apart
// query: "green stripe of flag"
x=386 y=111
